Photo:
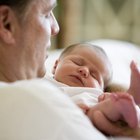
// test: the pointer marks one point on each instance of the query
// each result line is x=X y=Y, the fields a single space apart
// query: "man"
x=25 y=30
x=29 y=110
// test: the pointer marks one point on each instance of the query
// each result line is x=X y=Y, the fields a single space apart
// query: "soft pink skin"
x=115 y=107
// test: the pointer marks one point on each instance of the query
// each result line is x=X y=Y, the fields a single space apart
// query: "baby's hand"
x=104 y=96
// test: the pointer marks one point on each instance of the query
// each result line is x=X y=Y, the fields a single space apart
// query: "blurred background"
x=86 y=20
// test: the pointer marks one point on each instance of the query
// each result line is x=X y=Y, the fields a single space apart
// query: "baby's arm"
x=116 y=107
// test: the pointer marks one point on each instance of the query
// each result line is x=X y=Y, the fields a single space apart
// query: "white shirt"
x=37 y=110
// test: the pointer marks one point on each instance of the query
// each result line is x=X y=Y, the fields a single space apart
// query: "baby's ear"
x=55 y=66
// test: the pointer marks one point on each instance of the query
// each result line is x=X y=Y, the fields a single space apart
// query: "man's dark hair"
x=17 y=5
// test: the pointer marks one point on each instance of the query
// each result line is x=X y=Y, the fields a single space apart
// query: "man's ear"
x=55 y=66
x=7 y=17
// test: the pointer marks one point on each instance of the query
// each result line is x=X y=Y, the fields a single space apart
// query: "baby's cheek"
x=95 y=84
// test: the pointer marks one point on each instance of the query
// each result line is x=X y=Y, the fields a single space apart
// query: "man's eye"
x=48 y=15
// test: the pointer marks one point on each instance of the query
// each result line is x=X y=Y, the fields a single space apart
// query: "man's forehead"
x=50 y=3
x=46 y=5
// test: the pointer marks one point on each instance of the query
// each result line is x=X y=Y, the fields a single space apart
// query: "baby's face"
x=82 y=67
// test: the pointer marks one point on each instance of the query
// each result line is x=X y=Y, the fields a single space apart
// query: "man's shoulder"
x=34 y=87
x=27 y=84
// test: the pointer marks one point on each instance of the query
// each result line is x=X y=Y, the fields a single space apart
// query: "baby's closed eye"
x=77 y=62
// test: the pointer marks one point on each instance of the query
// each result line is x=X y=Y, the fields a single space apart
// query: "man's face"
x=37 y=27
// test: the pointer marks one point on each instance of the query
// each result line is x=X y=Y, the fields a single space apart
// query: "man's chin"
x=42 y=73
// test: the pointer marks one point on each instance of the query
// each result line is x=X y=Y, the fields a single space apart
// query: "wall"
x=84 y=20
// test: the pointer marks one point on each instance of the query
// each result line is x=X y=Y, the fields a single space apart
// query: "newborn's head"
x=83 y=65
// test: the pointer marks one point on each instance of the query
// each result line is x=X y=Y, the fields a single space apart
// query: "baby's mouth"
x=78 y=78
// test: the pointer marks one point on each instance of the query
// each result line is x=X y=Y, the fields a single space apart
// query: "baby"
x=83 y=71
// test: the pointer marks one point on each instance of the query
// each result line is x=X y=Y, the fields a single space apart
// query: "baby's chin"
x=74 y=84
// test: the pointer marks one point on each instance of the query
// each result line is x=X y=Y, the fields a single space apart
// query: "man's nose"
x=84 y=71
x=55 y=27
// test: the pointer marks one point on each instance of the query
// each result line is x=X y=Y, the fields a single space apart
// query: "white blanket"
x=87 y=96
x=80 y=95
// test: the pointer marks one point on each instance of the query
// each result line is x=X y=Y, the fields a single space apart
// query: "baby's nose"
x=84 y=71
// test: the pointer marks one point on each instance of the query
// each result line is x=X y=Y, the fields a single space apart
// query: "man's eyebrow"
x=49 y=7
